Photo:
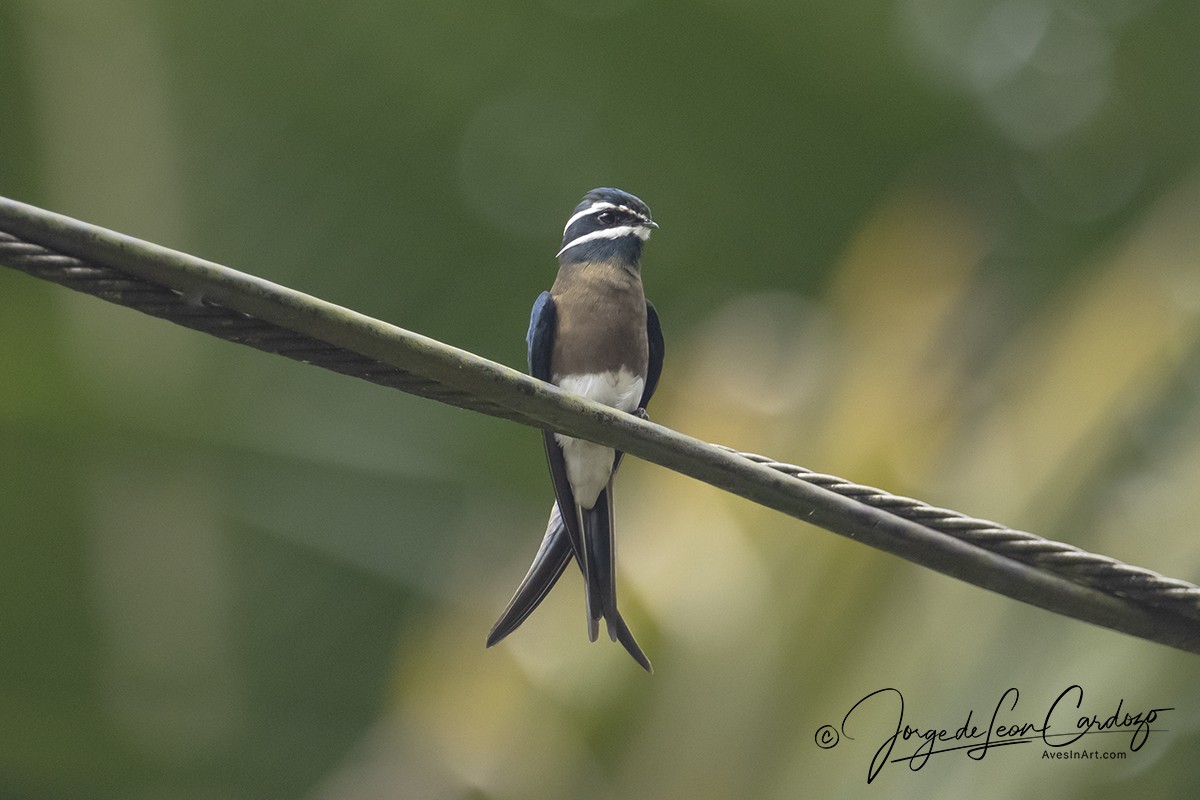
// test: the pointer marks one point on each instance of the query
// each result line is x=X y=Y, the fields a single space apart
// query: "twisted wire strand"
x=225 y=323
x=1077 y=565
x=436 y=371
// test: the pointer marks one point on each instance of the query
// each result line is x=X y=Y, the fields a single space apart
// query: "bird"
x=594 y=334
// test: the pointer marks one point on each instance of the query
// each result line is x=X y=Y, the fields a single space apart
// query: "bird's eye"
x=606 y=218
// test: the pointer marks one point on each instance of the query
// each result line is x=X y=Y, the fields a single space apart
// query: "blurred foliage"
x=948 y=247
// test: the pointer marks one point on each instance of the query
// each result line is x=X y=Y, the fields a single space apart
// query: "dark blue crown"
x=615 y=196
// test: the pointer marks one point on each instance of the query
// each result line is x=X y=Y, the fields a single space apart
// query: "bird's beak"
x=651 y=224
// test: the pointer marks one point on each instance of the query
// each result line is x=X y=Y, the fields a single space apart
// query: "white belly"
x=589 y=465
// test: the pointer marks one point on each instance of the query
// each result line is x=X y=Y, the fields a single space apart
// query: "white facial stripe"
x=640 y=231
x=597 y=206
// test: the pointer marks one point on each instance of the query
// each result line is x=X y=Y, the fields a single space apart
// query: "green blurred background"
x=946 y=247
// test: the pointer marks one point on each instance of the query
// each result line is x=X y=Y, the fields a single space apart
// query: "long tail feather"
x=625 y=637
x=600 y=541
x=593 y=564
x=601 y=575
x=552 y=558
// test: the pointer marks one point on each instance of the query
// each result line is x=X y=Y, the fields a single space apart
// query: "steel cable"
x=246 y=310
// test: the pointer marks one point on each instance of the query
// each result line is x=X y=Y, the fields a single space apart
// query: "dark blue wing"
x=540 y=339
x=563 y=537
x=572 y=519
x=654 y=337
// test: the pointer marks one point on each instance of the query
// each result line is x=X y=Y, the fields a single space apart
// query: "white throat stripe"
x=640 y=231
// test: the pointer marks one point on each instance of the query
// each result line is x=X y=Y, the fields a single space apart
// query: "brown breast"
x=601 y=311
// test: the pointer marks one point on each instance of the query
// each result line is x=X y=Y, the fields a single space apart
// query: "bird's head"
x=607 y=225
